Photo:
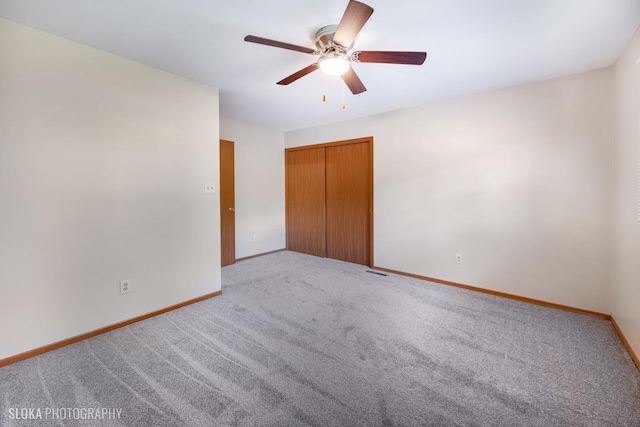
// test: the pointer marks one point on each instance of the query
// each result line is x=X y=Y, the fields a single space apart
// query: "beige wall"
x=518 y=181
x=102 y=169
x=626 y=217
x=259 y=187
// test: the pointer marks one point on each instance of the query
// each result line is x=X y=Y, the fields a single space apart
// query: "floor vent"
x=376 y=272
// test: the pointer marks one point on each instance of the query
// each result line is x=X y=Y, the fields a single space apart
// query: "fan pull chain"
x=344 y=102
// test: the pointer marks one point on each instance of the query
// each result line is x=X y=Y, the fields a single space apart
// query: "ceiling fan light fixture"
x=334 y=64
x=332 y=44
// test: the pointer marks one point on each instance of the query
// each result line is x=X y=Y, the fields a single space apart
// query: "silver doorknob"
x=232 y=210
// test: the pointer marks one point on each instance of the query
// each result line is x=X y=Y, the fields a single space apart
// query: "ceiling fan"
x=332 y=44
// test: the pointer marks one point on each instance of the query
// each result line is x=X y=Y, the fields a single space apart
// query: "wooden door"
x=227 y=204
x=348 y=202
x=305 y=193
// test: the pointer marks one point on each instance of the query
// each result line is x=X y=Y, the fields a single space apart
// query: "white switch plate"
x=209 y=187
x=458 y=259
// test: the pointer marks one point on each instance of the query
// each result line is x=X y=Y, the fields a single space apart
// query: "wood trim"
x=626 y=343
x=56 y=345
x=332 y=144
x=500 y=294
x=286 y=202
x=371 y=178
x=259 y=255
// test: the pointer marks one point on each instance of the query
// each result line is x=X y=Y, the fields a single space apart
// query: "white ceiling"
x=473 y=46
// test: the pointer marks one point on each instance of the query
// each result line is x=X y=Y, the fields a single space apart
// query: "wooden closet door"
x=349 y=193
x=305 y=192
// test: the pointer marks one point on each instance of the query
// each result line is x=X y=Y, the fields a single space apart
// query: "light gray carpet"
x=297 y=340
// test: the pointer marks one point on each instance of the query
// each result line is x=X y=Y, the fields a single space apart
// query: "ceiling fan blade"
x=353 y=82
x=382 y=57
x=295 y=76
x=282 y=45
x=354 y=18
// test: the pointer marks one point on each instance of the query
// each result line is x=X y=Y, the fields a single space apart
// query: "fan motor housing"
x=324 y=39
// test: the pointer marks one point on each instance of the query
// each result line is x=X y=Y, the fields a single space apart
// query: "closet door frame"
x=369 y=140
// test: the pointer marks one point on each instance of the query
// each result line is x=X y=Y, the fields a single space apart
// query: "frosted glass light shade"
x=334 y=64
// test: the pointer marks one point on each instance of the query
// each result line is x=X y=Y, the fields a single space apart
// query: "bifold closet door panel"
x=348 y=192
x=305 y=192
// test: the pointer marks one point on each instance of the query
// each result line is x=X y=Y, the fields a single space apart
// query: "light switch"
x=209 y=187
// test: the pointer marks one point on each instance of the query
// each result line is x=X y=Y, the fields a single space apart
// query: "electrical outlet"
x=209 y=187
x=458 y=259
x=125 y=286
x=256 y=237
